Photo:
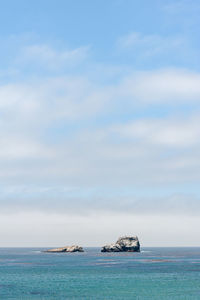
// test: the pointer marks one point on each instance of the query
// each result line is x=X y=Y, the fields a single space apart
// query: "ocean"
x=155 y=273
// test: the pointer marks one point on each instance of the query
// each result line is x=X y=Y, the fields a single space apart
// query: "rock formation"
x=123 y=244
x=66 y=249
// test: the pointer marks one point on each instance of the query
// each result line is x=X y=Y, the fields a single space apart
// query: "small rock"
x=123 y=244
x=73 y=248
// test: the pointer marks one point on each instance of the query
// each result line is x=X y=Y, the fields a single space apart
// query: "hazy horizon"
x=100 y=122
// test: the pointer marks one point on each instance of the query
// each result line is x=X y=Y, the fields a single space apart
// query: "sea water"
x=155 y=273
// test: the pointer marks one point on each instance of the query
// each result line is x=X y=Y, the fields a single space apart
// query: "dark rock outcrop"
x=73 y=248
x=123 y=244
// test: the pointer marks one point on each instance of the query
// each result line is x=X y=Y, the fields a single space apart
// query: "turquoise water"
x=155 y=273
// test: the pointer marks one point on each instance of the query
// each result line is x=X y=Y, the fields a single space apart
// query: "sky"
x=99 y=122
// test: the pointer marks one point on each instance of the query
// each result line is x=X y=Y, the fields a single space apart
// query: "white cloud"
x=150 y=45
x=31 y=104
x=18 y=97
x=155 y=43
x=170 y=86
x=171 y=132
x=46 y=56
x=16 y=147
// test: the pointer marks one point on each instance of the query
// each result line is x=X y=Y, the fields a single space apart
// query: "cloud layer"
x=57 y=138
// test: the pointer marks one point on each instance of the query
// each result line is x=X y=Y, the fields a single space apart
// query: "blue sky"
x=99 y=107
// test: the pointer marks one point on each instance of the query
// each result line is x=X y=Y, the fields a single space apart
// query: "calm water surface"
x=155 y=273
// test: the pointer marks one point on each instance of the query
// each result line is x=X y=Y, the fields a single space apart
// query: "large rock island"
x=123 y=244
x=73 y=248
